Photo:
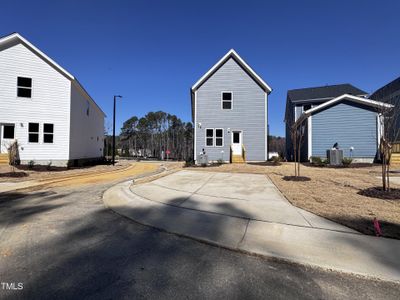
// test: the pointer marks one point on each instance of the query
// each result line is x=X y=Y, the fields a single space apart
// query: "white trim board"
x=243 y=64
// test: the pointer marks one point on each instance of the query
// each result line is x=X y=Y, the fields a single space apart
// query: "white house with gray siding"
x=230 y=112
x=45 y=109
x=349 y=119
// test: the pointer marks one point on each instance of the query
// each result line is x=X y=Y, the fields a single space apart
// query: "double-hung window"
x=48 y=133
x=226 y=98
x=214 y=137
x=209 y=137
x=219 y=137
x=24 y=87
x=33 y=132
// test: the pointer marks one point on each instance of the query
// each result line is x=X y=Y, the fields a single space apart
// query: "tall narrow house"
x=229 y=112
x=45 y=109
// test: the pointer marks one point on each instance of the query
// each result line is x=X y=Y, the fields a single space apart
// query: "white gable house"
x=45 y=109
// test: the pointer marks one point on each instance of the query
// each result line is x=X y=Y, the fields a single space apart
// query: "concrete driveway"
x=246 y=212
x=249 y=196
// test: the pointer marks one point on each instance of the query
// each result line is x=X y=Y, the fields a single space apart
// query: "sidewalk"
x=340 y=250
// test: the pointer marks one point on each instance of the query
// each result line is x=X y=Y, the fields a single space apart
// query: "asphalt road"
x=63 y=243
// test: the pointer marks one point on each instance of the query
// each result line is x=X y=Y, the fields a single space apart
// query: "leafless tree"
x=297 y=133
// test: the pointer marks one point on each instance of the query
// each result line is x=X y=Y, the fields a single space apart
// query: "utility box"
x=335 y=157
x=203 y=159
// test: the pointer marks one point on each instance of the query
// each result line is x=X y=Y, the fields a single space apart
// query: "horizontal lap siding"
x=87 y=132
x=50 y=102
x=347 y=124
x=248 y=113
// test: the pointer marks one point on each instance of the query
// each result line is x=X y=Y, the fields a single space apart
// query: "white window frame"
x=215 y=137
x=222 y=101
x=24 y=87
x=34 y=132
x=52 y=133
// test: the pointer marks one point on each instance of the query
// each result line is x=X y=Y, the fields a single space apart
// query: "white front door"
x=7 y=136
x=236 y=142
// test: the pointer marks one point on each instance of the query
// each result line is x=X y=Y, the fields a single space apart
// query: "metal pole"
x=113 y=149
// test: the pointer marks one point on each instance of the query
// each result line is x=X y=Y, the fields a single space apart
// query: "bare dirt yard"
x=349 y=196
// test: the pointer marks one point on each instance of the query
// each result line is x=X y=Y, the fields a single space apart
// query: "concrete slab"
x=395 y=180
x=269 y=211
x=200 y=225
x=188 y=181
x=160 y=194
x=319 y=222
x=347 y=252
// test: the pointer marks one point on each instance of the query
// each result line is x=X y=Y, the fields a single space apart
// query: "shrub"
x=31 y=164
x=189 y=163
x=346 y=161
x=276 y=160
x=318 y=161
x=220 y=161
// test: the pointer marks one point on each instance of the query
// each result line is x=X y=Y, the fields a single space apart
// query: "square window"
x=24 y=87
x=33 y=138
x=8 y=131
x=33 y=127
x=209 y=132
x=209 y=142
x=48 y=138
x=226 y=96
x=48 y=128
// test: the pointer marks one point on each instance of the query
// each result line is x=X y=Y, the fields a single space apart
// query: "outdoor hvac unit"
x=335 y=156
x=203 y=159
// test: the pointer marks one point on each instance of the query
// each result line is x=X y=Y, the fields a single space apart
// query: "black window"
x=33 y=132
x=24 y=87
x=8 y=132
x=306 y=107
x=219 y=137
x=48 y=133
x=209 y=137
x=226 y=100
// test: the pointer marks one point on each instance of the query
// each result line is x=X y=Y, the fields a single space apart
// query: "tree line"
x=157 y=135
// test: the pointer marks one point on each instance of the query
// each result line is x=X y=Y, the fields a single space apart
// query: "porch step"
x=4 y=159
x=238 y=159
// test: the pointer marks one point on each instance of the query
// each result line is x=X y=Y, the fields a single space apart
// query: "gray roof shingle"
x=324 y=92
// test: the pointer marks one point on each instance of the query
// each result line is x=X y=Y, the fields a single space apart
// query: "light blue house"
x=335 y=114
x=229 y=112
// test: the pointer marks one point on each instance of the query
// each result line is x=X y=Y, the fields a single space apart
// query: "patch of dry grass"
x=344 y=195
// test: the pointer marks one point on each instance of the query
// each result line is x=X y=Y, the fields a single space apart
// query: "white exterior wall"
x=50 y=103
x=87 y=132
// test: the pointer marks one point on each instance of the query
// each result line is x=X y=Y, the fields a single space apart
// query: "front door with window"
x=7 y=136
x=236 y=142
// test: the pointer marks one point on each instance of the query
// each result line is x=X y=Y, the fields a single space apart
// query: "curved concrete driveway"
x=247 y=212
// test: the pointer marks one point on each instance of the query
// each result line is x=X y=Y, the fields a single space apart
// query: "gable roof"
x=232 y=54
x=19 y=38
x=387 y=90
x=324 y=92
x=345 y=97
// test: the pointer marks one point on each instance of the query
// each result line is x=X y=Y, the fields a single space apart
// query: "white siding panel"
x=87 y=132
x=50 y=102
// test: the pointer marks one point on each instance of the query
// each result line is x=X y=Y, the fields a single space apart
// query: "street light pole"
x=113 y=150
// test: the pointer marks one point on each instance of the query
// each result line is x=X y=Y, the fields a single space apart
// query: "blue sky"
x=151 y=52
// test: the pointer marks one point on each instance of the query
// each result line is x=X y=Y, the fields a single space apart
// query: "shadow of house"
x=82 y=250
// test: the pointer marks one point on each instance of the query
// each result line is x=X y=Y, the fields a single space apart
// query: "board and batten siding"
x=248 y=112
x=87 y=131
x=50 y=102
x=348 y=124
